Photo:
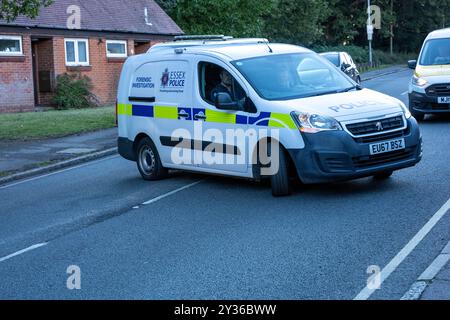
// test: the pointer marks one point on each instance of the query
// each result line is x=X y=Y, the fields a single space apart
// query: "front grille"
x=439 y=90
x=369 y=161
x=382 y=137
x=376 y=126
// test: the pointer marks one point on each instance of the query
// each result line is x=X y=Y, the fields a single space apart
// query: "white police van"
x=429 y=90
x=248 y=108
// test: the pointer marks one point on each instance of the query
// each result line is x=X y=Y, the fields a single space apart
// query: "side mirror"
x=345 y=66
x=224 y=102
x=412 y=64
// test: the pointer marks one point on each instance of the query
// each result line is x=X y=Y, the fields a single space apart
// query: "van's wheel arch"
x=148 y=159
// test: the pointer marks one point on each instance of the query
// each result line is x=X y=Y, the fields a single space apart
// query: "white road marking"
x=57 y=172
x=405 y=93
x=416 y=291
x=435 y=267
x=15 y=254
x=366 y=293
x=171 y=193
x=419 y=287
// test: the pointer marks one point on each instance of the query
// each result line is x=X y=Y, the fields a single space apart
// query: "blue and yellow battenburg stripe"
x=264 y=119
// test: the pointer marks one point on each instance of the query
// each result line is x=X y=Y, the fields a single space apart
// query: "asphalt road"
x=222 y=238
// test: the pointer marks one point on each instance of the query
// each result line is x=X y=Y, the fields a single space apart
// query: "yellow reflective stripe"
x=124 y=109
x=163 y=112
x=280 y=120
x=219 y=117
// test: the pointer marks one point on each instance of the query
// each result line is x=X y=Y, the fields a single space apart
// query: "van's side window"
x=214 y=79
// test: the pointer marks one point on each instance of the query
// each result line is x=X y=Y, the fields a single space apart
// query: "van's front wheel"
x=281 y=184
x=148 y=161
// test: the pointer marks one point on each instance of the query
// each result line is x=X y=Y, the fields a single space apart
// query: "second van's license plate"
x=444 y=100
x=387 y=146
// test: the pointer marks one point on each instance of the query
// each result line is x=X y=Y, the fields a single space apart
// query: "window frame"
x=116 y=55
x=199 y=82
x=12 y=54
x=77 y=62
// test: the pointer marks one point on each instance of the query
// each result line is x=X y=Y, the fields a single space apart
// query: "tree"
x=239 y=18
x=297 y=21
x=11 y=9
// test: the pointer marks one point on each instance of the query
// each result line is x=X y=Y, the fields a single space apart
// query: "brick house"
x=34 y=52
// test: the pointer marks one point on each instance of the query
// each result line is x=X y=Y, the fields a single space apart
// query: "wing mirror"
x=225 y=102
x=412 y=64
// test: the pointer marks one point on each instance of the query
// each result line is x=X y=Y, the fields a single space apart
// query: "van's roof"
x=233 y=49
x=439 y=34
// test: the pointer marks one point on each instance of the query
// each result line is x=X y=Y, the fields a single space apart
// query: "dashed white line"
x=171 y=193
x=405 y=93
x=366 y=293
x=15 y=254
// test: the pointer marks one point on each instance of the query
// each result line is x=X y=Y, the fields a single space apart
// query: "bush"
x=73 y=91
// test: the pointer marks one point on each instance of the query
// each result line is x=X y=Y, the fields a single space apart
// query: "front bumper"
x=336 y=156
x=421 y=102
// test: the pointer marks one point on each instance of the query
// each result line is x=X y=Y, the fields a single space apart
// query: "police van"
x=429 y=90
x=253 y=109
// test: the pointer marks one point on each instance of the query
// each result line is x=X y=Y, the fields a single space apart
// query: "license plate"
x=444 y=100
x=387 y=146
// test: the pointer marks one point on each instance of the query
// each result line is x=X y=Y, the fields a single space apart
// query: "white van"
x=248 y=108
x=429 y=90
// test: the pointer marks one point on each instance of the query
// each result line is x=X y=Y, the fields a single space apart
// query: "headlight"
x=315 y=123
x=420 y=82
x=405 y=110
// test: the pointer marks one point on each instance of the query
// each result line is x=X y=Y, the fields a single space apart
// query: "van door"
x=222 y=132
x=171 y=109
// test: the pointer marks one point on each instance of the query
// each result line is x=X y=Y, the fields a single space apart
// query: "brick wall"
x=16 y=80
x=16 y=77
x=103 y=71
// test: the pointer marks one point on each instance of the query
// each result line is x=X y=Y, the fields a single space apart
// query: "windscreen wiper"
x=357 y=87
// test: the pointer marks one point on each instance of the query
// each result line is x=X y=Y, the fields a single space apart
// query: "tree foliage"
x=313 y=22
x=307 y=22
x=11 y=9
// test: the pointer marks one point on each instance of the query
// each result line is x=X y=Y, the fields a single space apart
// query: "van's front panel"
x=337 y=155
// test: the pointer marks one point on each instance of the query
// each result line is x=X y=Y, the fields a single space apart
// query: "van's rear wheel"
x=149 y=162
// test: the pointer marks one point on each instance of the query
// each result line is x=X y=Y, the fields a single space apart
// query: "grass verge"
x=50 y=124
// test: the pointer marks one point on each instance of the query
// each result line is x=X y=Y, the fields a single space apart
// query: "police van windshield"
x=436 y=52
x=293 y=76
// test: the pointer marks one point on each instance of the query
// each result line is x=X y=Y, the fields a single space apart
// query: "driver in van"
x=226 y=86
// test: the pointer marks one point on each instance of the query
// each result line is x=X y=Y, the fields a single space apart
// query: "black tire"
x=148 y=161
x=383 y=175
x=358 y=80
x=281 y=183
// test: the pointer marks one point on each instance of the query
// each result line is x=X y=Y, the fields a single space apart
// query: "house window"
x=77 y=52
x=116 y=49
x=10 y=46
